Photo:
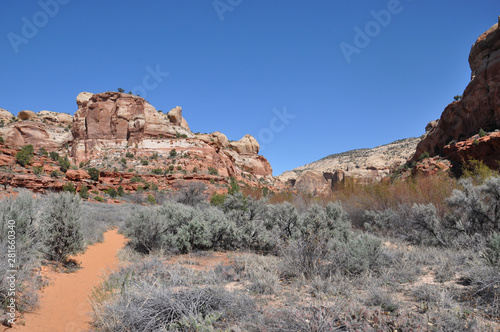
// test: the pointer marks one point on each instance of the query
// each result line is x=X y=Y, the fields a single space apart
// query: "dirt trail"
x=64 y=303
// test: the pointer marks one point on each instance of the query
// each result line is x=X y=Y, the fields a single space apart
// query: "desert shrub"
x=99 y=199
x=249 y=215
x=172 y=153
x=23 y=210
x=157 y=171
x=120 y=191
x=476 y=209
x=481 y=133
x=1 y=137
x=94 y=173
x=192 y=193
x=61 y=226
x=213 y=171
x=37 y=170
x=217 y=199
x=55 y=174
x=25 y=155
x=129 y=155
x=69 y=187
x=485 y=290
x=326 y=245
x=172 y=226
x=54 y=155
x=84 y=192
x=151 y=199
x=492 y=253
x=234 y=187
x=477 y=171
x=417 y=224
x=43 y=152
x=98 y=218
x=423 y=156
x=148 y=307
x=284 y=220
x=64 y=164
x=112 y=192
x=261 y=271
x=223 y=232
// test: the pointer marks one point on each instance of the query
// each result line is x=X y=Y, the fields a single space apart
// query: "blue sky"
x=272 y=69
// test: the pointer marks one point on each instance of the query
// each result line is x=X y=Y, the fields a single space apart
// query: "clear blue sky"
x=230 y=67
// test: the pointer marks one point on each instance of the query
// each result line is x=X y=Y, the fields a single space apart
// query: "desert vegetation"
x=48 y=229
x=417 y=255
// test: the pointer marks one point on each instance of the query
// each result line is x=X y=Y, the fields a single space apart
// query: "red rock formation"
x=77 y=175
x=486 y=149
x=480 y=105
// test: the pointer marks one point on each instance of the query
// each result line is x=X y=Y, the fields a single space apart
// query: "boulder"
x=247 y=144
x=83 y=98
x=26 y=115
x=77 y=175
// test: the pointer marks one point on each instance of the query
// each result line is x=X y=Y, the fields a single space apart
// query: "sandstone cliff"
x=478 y=109
x=123 y=135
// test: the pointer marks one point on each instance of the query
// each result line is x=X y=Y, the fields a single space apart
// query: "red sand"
x=64 y=304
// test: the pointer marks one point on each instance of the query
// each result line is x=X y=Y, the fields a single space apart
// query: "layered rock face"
x=117 y=120
x=363 y=165
x=110 y=126
x=479 y=106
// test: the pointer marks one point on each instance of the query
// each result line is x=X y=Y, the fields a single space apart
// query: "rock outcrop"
x=363 y=165
x=480 y=104
x=125 y=135
x=486 y=149
x=38 y=134
x=247 y=144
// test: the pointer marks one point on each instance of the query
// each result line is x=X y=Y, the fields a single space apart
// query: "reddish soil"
x=64 y=304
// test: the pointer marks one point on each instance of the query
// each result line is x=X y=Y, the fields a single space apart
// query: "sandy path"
x=64 y=304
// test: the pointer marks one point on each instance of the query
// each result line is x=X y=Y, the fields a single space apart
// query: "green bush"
x=99 y=199
x=423 y=156
x=129 y=155
x=144 y=162
x=173 y=153
x=151 y=199
x=157 y=171
x=25 y=156
x=120 y=191
x=481 y=133
x=1 y=139
x=37 y=170
x=112 y=192
x=234 y=187
x=217 y=199
x=55 y=174
x=84 y=192
x=64 y=164
x=213 y=171
x=43 y=152
x=61 y=227
x=94 y=173
x=54 y=155
x=69 y=187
